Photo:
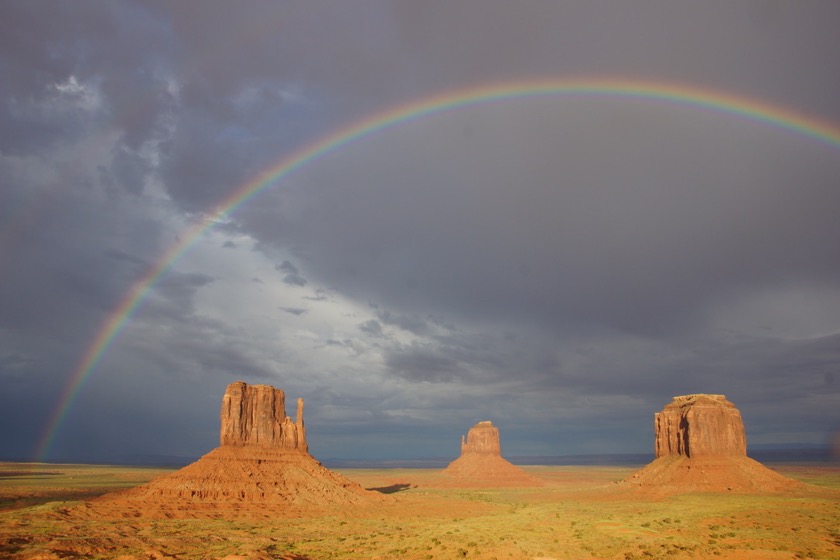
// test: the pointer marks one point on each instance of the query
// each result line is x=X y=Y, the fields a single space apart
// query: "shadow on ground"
x=392 y=489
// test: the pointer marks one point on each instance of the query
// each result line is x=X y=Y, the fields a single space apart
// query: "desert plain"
x=50 y=511
x=260 y=495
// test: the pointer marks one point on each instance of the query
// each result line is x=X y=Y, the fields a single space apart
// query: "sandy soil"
x=677 y=474
x=231 y=482
x=47 y=512
x=483 y=470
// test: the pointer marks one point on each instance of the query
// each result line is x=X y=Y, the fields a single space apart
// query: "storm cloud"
x=561 y=265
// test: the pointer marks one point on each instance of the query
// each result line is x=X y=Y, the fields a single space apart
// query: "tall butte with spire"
x=262 y=464
x=700 y=446
x=481 y=462
x=255 y=415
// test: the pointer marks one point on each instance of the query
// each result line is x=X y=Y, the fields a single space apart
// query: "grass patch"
x=571 y=517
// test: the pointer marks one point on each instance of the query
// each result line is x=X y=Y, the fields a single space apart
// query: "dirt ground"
x=579 y=513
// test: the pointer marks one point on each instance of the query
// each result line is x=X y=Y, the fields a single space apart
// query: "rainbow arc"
x=687 y=96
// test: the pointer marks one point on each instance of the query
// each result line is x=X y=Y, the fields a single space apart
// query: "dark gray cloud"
x=319 y=295
x=639 y=234
x=294 y=310
x=371 y=327
x=422 y=364
x=291 y=275
x=411 y=323
x=560 y=265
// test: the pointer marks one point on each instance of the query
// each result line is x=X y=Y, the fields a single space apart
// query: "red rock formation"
x=700 y=425
x=482 y=438
x=700 y=446
x=256 y=415
x=262 y=464
x=481 y=462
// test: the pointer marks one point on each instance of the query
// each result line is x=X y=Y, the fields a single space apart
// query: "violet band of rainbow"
x=689 y=96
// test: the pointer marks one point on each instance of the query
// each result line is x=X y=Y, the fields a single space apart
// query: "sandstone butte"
x=261 y=465
x=481 y=462
x=700 y=446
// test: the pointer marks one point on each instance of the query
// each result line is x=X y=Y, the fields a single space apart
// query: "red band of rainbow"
x=690 y=97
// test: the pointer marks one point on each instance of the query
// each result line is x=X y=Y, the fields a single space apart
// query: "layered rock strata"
x=699 y=425
x=262 y=465
x=481 y=462
x=700 y=446
x=255 y=415
x=482 y=438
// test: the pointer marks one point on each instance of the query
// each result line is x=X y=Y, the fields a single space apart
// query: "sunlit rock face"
x=701 y=447
x=481 y=462
x=256 y=415
x=482 y=438
x=261 y=466
x=699 y=425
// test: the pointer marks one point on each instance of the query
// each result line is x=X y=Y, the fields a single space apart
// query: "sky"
x=559 y=265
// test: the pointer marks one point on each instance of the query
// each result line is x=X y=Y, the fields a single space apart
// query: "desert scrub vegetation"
x=441 y=523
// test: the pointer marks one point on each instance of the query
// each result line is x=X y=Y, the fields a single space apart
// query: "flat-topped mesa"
x=482 y=438
x=698 y=426
x=700 y=447
x=255 y=415
x=481 y=462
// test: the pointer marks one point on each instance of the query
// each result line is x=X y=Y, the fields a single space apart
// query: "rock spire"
x=481 y=462
x=262 y=465
x=256 y=415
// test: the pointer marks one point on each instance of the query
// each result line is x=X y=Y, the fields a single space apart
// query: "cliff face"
x=482 y=438
x=481 y=462
x=255 y=415
x=699 y=425
x=700 y=447
x=261 y=466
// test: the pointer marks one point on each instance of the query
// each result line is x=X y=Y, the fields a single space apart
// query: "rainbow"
x=690 y=97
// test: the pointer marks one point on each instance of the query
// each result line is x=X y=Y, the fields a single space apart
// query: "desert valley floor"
x=50 y=512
